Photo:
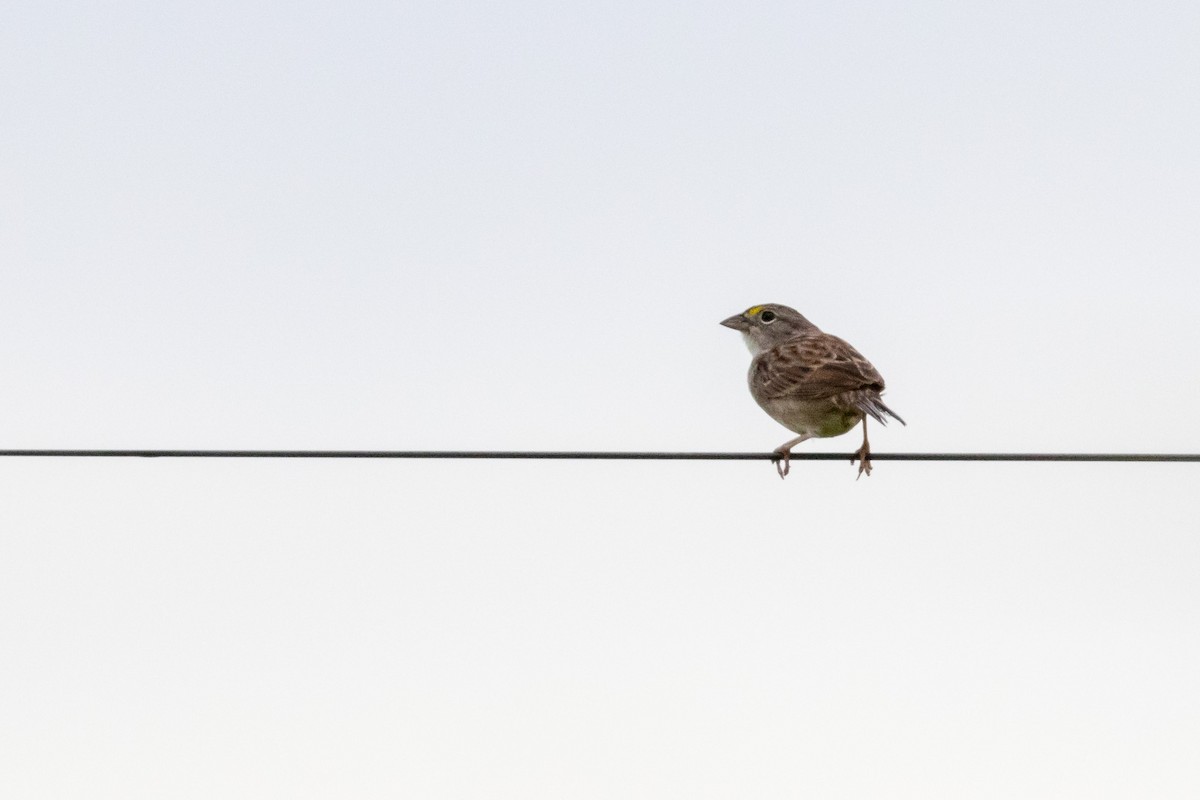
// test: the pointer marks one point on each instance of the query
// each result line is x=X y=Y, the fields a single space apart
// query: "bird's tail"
x=873 y=405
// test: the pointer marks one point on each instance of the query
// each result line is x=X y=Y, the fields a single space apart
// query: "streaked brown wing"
x=814 y=367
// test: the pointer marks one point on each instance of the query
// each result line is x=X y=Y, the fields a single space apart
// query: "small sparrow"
x=809 y=381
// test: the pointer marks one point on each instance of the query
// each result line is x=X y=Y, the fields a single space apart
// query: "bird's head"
x=766 y=326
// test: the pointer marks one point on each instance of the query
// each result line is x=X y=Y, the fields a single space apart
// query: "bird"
x=811 y=382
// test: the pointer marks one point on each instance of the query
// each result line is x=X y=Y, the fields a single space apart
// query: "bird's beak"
x=737 y=322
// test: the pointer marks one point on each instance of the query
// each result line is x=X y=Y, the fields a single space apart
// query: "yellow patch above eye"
x=750 y=312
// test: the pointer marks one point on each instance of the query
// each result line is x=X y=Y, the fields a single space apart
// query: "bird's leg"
x=783 y=454
x=863 y=456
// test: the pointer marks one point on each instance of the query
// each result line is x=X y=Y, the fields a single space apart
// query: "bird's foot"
x=783 y=462
x=863 y=457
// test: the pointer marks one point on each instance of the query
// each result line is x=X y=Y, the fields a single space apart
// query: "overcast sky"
x=510 y=225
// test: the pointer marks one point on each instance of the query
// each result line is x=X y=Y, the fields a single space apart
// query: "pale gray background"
x=516 y=225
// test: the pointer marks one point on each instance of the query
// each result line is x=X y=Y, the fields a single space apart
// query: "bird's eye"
x=767 y=317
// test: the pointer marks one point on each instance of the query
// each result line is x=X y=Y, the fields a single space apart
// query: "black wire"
x=599 y=455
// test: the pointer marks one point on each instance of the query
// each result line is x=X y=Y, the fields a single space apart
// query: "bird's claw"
x=863 y=457
x=783 y=462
